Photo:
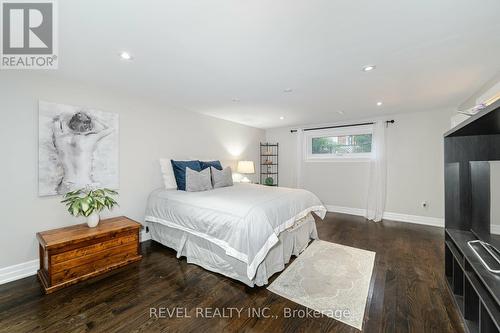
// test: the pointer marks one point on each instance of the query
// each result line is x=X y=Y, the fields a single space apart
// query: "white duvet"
x=245 y=219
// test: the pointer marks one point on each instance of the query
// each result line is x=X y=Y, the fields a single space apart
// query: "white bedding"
x=244 y=220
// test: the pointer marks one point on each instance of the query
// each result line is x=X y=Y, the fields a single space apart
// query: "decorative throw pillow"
x=168 y=174
x=197 y=181
x=222 y=178
x=180 y=171
x=208 y=164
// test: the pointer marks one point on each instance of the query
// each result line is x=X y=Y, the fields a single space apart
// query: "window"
x=339 y=143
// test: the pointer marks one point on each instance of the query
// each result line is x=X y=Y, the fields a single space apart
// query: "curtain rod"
x=340 y=126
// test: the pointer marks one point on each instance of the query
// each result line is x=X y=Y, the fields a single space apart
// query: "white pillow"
x=168 y=174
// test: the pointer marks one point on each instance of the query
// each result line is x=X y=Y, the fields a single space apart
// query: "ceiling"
x=234 y=59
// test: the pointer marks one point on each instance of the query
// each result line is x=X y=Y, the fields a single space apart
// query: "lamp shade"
x=246 y=167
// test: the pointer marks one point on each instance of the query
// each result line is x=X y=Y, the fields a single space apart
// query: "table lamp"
x=246 y=167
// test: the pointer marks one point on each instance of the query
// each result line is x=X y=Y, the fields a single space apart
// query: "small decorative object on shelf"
x=89 y=202
x=268 y=152
x=269 y=164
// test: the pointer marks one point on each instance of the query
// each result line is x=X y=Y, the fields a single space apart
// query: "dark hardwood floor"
x=408 y=292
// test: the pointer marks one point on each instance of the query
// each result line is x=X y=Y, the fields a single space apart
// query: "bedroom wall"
x=495 y=196
x=147 y=132
x=488 y=90
x=414 y=171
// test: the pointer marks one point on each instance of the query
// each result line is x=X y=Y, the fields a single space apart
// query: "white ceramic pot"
x=93 y=220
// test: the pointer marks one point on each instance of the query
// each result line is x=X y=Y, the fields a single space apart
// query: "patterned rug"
x=329 y=278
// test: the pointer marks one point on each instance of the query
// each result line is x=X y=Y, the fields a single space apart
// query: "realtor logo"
x=28 y=34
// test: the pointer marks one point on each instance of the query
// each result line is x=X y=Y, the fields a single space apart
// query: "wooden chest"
x=73 y=254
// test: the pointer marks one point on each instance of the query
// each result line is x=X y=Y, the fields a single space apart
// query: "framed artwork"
x=77 y=147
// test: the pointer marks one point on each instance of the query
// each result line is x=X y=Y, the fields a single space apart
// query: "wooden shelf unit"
x=269 y=163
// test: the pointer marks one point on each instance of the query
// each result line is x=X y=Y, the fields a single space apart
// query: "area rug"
x=329 y=278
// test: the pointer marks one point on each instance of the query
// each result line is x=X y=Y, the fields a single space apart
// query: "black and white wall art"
x=77 y=147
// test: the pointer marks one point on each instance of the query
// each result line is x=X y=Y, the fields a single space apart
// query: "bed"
x=247 y=232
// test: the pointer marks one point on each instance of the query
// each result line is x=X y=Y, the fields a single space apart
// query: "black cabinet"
x=474 y=288
x=467 y=203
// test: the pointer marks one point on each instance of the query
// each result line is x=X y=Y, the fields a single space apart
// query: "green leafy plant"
x=86 y=201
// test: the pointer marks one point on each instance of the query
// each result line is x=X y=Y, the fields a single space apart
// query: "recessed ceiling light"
x=281 y=118
x=379 y=103
x=369 y=68
x=125 y=56
x=288 y=90
x=235 y=99
x=340 y=112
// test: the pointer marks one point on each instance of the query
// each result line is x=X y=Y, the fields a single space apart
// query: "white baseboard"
x=418 y=219
x=346 y=210
x=19 y=271
x=425 y=220
x=25 y=269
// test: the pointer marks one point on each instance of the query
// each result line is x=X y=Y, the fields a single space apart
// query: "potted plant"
x=89 y=203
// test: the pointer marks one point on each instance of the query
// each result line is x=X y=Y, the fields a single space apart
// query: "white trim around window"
x=335 y=132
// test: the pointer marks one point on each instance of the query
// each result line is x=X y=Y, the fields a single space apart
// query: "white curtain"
x=378 y=174
x=299 y=158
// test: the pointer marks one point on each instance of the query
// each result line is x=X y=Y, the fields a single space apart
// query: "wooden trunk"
x=73 y=254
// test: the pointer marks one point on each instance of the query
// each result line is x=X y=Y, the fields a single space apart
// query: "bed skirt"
x=206 y=254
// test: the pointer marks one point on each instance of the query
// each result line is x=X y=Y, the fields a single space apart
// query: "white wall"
x=415 y=167
x=147 y=132
x=495 y=196
x=488 y=90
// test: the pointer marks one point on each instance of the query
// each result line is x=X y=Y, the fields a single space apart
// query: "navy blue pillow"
x=179 y=168
x=208 y=164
